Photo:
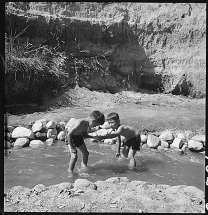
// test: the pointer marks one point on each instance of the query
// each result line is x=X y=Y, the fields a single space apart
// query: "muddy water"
x=29 y=167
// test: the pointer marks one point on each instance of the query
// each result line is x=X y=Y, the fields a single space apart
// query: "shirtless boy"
x=76 y=129
x=133 y=139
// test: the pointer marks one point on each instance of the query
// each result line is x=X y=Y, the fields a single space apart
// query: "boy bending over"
x=133 y=139
x=76 y=129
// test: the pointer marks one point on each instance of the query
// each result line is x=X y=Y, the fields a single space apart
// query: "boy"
x=76 y=129
x=133 y=139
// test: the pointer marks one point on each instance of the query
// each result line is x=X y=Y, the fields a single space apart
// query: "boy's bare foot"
x=84 y=168
x=71 y=173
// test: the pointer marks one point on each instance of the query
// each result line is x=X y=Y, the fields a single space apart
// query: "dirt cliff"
x=121 y=46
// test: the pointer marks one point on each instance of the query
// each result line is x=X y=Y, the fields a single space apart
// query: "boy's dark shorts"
x=77 y=140
x=134 y=142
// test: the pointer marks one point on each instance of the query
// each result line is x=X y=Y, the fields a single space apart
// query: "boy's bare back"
x=77 y=126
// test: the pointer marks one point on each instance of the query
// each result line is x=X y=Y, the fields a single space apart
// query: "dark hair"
x=113 y=116
x=98 y=116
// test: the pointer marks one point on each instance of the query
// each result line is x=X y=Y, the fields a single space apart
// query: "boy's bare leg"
x=125 y=151
x=72 y=161
x=85 y=155
x=132 y=159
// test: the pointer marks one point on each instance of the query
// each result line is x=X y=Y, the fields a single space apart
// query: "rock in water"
x=61 y=135
x=37 y=126
x=166 y=136
x=22 y=132
x=177 y=143
x=200 y=138
x=195 y=145
x=21 y=142
x=50 y=125
x=52 y=133
x=36 y=144
x=153 y=141
x=143 y=138
x=41 y=136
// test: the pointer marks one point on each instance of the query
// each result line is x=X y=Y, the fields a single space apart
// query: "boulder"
x=50 y=142
x=189 y=135
x=43 y=121
x=153 y=141
x=8 y=145
x=37 y=126
x=177 y=143
x=195 y=145
x=19 y=132
x=21 y=142
x=51 y=125
x=123 y=139
x=164 y=144
x=52 y=133
x=61 y=135
x=8 y=128
x=36 y=144
x=62 y=125
x=41 y=136
x=84 y=184
x=8 y=136
x=200 y=138
x=143 y=138
x=166 y=136
x=117 y=180
x=109 y=141
x=181 y=136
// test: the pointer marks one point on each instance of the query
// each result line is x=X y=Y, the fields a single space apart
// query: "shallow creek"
x=28 y=167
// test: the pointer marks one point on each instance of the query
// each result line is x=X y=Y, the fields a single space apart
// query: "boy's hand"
x=118 y=155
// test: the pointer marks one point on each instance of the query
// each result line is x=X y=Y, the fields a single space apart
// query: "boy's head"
x=113 y=120
x=97 y=118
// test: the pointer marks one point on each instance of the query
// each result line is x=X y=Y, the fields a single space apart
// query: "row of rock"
x=39 y=133
x=43 y=132
x=164 y=140
x=178 y=141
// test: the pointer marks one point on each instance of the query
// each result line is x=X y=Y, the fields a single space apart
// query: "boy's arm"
x=109 y=136
x=119 y=146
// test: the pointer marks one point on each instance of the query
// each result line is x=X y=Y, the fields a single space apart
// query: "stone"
x=62 y=124
x=52 y=133
x=106 y=125
x=36 y=144
x=181 y=136
x=164 y=144
x=50 y=142
x=143 y=138
x=39 y=188
x=117 y=180
x=51 y=125
x=166 y=136
x=19 y=132
x=200 y=138
x=61 y=135
x=109 y=141
x=8 y=145
x=153 y=141
x=84 y=184
x=195 y=145
x=41 y=136
x=189 y=135
x=177 y=143
x=8 y=128
x=37 y=126
x=21 y=142
x=123 y=139
x=43 y=121
x=64 y=186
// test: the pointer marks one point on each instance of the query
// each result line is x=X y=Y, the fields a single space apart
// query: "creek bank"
x=116 y=194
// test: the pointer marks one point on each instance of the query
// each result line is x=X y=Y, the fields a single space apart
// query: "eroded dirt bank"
x=113 y=195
